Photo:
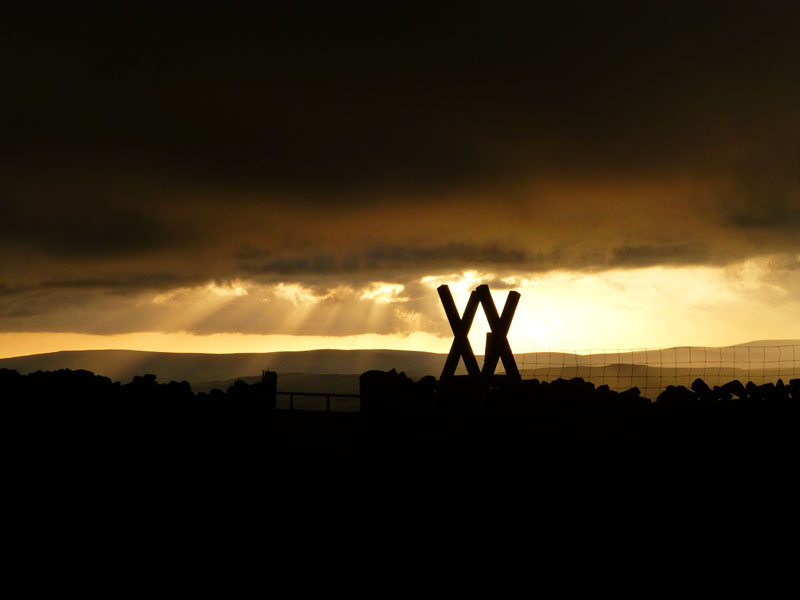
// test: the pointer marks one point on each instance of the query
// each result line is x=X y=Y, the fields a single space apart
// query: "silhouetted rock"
x=179 y=390
x=677 y=396
x=736 y=388
x=720 y=394
x=385 y=393
x=701 y=388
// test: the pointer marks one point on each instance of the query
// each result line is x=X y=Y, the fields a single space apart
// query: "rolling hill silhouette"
x=338 y=370
x=327 y=370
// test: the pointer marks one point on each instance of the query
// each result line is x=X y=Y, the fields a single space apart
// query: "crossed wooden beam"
x=497 y=346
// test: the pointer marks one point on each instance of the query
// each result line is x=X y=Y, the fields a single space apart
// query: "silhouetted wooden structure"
x=460 y=326
x=497 y=346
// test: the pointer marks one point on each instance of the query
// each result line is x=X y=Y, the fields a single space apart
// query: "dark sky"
x=144 y=149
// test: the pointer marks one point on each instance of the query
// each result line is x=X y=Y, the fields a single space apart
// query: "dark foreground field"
x=147 y=471
x=548 y=426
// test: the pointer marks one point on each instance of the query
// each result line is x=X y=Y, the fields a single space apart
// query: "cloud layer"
x=145 y=152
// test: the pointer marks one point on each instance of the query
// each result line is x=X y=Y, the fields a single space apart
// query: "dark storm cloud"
x=152 y=148
x=324 y=100
x=450 y=253
x=152 y=281
x=765 y=191
x=381 y=257
x=649 y=255
x=76 y=229
x=109 y=285
x=769 y=206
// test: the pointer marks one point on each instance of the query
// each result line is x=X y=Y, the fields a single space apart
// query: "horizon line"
x=578 y=351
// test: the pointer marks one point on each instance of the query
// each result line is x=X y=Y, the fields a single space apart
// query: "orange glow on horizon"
x=26 y=343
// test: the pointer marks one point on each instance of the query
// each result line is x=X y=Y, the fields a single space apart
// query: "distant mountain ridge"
x=770 y=343
x=198 y=369
x=338 y=370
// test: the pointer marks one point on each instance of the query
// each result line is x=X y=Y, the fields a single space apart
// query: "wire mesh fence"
x=652 y=370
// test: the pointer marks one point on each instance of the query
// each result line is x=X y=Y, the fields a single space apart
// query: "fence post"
x=269 y=380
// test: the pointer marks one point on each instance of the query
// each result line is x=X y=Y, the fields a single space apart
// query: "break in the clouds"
x=758 y=298
x=149 y=152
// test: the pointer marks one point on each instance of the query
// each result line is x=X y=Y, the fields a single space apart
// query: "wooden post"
x=269 y=380
x=497 y=346
x=460 y=326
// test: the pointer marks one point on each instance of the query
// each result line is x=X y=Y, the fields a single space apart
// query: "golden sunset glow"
x=23 y=344
x=657 y=307
x=615 y=309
